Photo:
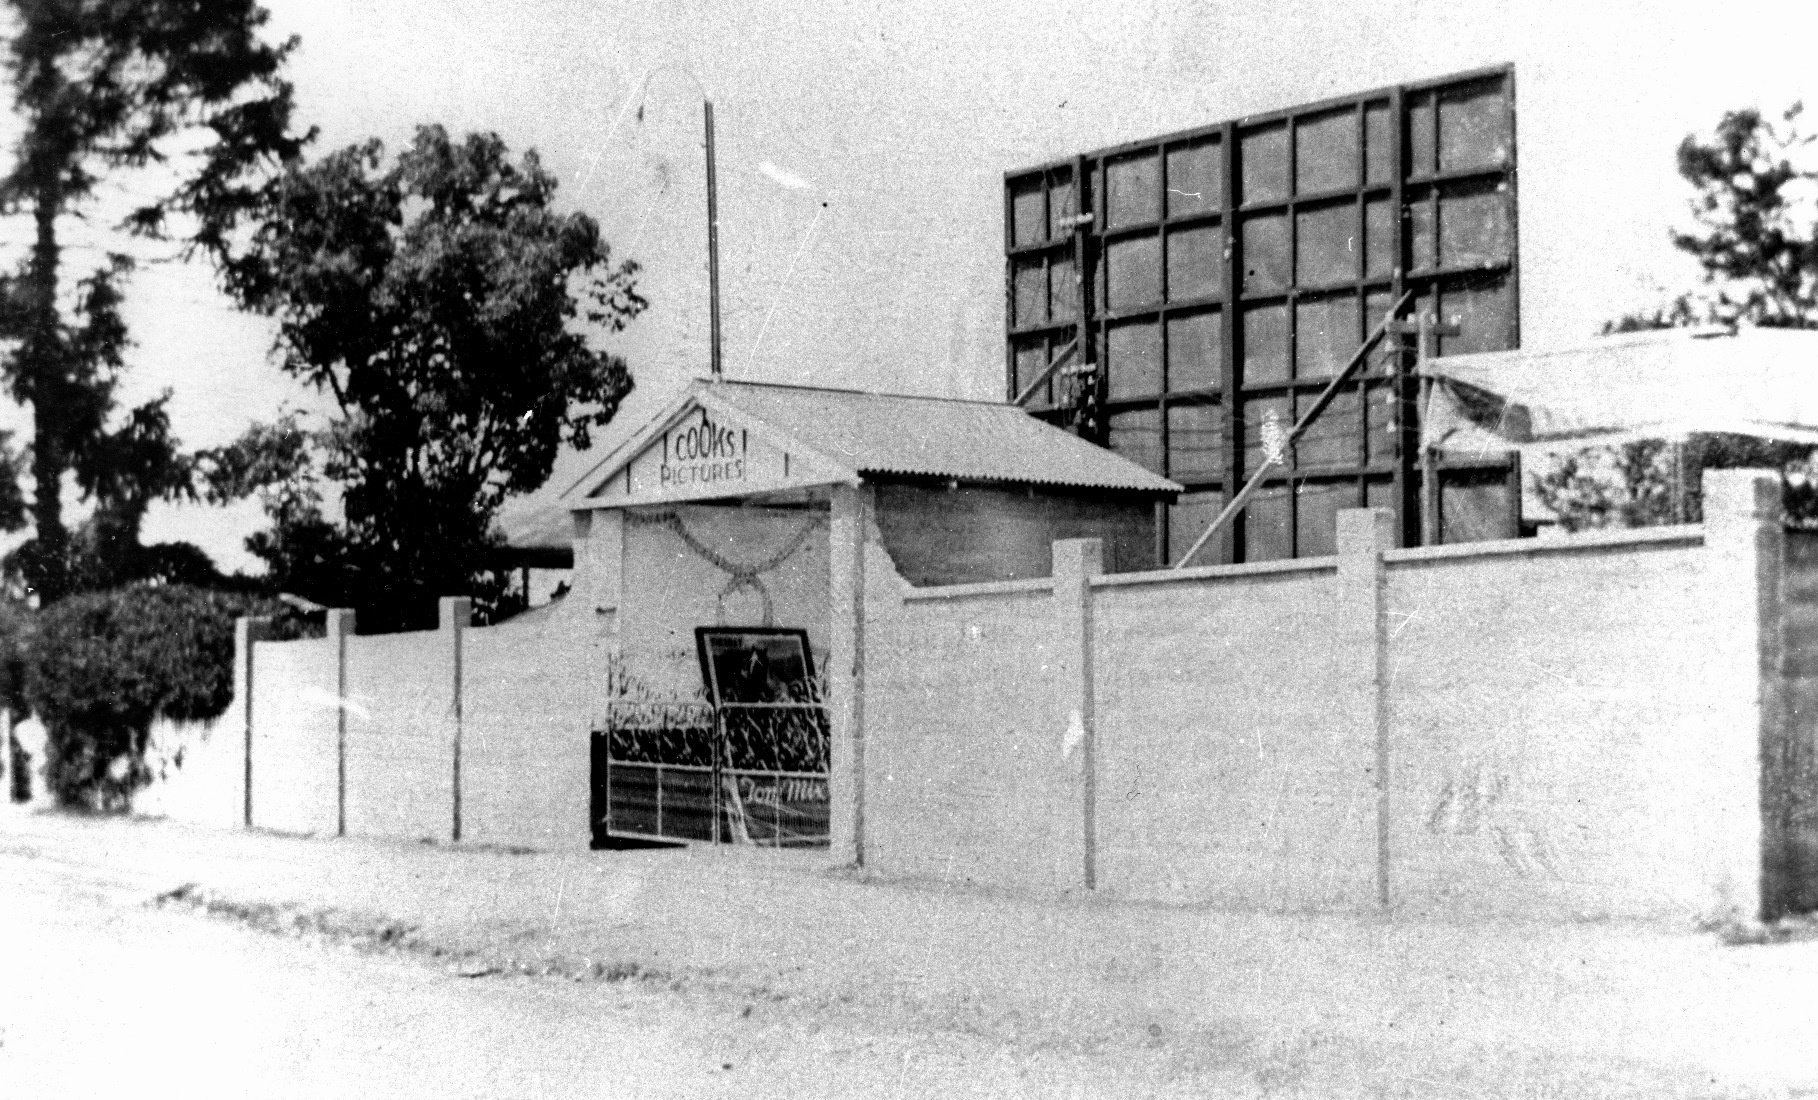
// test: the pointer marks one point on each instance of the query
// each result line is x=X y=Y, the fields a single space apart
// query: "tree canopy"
x=1754 y=233
x=1757 y=235
x=448 y=311
x=101 y=88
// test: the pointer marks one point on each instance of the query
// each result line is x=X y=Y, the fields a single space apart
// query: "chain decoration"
x=742 y=575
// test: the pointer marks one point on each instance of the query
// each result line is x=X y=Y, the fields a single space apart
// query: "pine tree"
x=105 y=88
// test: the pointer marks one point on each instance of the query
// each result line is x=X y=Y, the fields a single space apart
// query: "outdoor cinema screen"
x=1232 y=269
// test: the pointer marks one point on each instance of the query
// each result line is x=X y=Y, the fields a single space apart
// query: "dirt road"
x=811 y=983
x=108 y=999
x=103 y=995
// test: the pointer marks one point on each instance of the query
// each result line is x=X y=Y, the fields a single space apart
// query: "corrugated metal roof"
x=535 y=522
x=933 y=436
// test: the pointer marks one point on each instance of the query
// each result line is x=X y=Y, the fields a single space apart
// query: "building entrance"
x=747 y=764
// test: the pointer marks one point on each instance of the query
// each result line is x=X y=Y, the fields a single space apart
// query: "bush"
x=100 y=667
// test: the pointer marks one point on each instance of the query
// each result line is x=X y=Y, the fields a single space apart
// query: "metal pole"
x=1429 y=458
x=1425 y=328
x=1084 y=349
x=713 y=247
x=1059 y=362
x=717 y=717
x=1319 y=406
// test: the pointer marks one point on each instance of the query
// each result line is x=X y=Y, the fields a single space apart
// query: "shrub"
x=100 y=667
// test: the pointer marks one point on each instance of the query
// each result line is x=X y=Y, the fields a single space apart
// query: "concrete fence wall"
x=1575 y=728
x=531 y=689
x=982 y=658
x=295 y=735
x=1592 y=762
x=1611 y=725
x=197 y=769
x=402 y=698
x=460 y=733
x=1234 y=764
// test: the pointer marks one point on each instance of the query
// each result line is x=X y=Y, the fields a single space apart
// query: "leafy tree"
x=99 y=667
x=1626 y=486
x=446 y=309
x=1755 y=236
x=101 y=88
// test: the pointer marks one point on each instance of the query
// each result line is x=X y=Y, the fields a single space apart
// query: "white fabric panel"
x=1653 y=385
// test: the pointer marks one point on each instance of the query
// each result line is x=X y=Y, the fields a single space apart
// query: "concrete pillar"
x=851 y=520
x=606 y=558
x=1076 y=562
x=454 y=616
x=340 y=628
x=1361 y=636
x=247 y=630
x=580 y=578
x=596 y=590
x=599 y=559
x=1745 y=541
x=608 y=542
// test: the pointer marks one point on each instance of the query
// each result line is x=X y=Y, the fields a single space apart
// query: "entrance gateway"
x=722 y=548
x=746 y=765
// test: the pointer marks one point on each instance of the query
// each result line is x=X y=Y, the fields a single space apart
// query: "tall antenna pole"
x=713 y=246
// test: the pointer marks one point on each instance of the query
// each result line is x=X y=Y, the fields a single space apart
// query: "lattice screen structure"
x=1234 y=268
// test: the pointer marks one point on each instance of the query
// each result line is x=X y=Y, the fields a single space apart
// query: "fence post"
x=1362 y=636
x=247 y=630
x=1745 y=538
x=340 y=626
x=455 y=615
x=851 y=520
x=1076 y=562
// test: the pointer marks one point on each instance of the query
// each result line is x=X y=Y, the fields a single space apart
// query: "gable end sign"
x=702 y=455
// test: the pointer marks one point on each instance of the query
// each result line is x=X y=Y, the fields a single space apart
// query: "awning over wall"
x=1652 y=385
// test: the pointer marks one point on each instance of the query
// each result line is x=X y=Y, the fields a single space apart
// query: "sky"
x=862 y=146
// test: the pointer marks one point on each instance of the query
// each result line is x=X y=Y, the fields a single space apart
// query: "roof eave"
x=1165 y=489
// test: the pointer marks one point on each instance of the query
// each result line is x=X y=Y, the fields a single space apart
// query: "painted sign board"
x=759 y=664
x=781 y=811
x=671 y=802
x=703 y=454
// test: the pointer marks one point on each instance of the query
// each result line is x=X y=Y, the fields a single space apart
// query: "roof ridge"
x=855 y=393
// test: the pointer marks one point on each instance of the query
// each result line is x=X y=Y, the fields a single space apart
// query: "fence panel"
x=400 y=736
x=295 y=755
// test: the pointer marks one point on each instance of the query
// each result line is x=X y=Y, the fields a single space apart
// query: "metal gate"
x=687 y=770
